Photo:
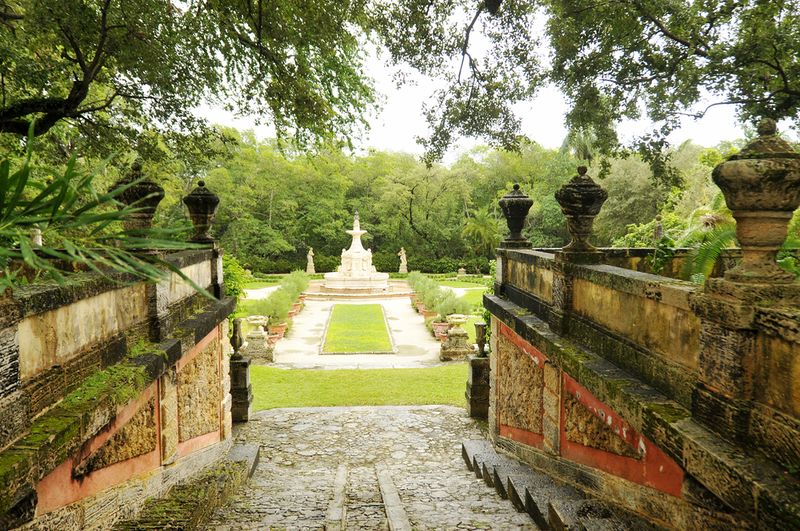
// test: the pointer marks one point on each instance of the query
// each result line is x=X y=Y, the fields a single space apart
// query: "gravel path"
x=325 y=467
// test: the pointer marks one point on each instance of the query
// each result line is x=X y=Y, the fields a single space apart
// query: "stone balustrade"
x=675 y=400
x=112 y=390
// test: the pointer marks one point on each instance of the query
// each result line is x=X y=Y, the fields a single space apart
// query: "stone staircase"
x=550 y=504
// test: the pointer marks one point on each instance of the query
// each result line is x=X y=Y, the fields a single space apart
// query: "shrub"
x=450 y=304
x=234 y=276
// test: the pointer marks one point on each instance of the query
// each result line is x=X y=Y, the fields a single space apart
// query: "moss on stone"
x=669 y=412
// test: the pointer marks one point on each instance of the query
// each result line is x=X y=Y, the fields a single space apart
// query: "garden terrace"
x=103 y=381
x=672 y=399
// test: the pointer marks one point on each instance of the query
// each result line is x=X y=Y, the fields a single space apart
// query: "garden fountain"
x=356 y=274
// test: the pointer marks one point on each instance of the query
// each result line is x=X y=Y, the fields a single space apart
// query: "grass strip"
x=355 y=328
x=275 y=388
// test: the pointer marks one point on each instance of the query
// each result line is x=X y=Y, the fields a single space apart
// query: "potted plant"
x=279 y=304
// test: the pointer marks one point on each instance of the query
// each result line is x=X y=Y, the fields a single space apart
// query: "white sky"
x=395 y=126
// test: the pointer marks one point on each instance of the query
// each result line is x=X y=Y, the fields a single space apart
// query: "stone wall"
x=676 y=401
x=105 y=386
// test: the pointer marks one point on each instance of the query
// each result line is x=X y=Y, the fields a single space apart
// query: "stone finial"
x=515 y=206
x=581 y=200
x=761 y=185
x=237 y=340
x=142 y=194
x=202 y=204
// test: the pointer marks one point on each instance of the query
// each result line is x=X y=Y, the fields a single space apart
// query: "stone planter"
x=440 y=328
x=279 y=329
x=761 y=185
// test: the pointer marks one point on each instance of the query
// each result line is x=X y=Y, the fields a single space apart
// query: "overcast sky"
x=400 y=120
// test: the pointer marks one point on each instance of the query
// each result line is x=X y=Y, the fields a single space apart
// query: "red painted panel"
x=654 y=469
x=526 y=347
x=522 y=436
x=59 y=488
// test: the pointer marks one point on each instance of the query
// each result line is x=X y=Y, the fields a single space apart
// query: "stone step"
x=603 y=524
x=566 y=515
x=518 y=484
x=474 y=446
x=537 y=502
x=501 y=473
x=189 y=504
x=496 y=468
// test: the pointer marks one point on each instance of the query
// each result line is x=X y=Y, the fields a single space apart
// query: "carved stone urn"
x=144 y=195
x=202 y=204
x=761 y=185
x=581 y=200
x=515 y=206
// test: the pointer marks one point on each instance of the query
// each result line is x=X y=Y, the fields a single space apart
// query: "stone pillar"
x=562 y=297
x=14 y=404
x=477 y=393
x=551 y=408
x=492 y=416
x=241 y=390
x=761 y=185
x=168 y=402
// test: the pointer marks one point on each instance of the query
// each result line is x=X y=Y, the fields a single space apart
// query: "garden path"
x=350 y=467
x=301 y=345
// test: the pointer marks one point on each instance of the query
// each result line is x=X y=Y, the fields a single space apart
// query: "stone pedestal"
x=477 y=393
x=241 y=390
x=727 y=362
x=457 y=346
x=257 y=348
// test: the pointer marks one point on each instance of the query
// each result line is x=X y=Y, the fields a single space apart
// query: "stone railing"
x=112 y=390
x=672 y=399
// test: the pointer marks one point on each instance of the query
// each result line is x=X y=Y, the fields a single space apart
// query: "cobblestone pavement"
x=318 y=464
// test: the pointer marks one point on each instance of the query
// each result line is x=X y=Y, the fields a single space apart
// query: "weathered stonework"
x=551 y=407
x=168 y=401
x=584 y=427
x=699 y=385
x=199 y=393
x=136 y=438
x=57 y=336
x=520 y=384
x=668 y=330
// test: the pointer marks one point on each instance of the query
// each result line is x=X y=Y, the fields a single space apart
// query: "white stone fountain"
x=356 y=274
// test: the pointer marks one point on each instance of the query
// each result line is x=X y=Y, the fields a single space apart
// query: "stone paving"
x=294 y=485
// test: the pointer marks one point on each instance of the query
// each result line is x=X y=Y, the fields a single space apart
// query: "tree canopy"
x=116 y=68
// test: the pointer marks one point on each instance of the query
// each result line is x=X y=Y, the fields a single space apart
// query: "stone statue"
x=403 y=261
x=310 y=261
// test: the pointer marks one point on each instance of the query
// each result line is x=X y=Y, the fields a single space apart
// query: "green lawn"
x=258 y=284
x=474 y=297
x=460 y=284
x=357 y=328
x=273 y=387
